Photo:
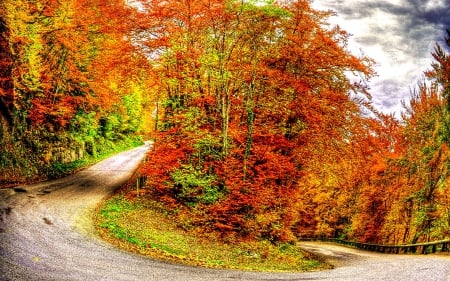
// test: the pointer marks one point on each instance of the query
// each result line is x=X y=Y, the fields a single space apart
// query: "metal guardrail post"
x=423 y=248
x=140 y=182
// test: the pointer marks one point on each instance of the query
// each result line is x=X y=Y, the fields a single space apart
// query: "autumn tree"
x=6 y=81
x=255 y=94
x=426 y=201
x=405 y=199
x=72 y=75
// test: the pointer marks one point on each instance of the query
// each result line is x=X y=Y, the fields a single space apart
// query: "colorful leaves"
x=255 y=95
x=262 y=134
x=64 y=64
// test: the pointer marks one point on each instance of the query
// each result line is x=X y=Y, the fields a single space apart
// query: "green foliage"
x=267 y=8
x=43 y=155
x=207 y=148
x=70 y=100
x=110 y=125
x=116 y=207
x=58 y=169
x=111 y=211
x=174 y=102
x=133 y=105
x=84 y=126
x=17 y=162
x=193 y=186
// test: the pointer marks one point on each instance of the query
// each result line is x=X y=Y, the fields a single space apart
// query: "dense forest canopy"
x=72 y=84
x=261 y=117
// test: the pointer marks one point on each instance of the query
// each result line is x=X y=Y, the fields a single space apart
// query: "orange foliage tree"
x=405 y=196
x=63 y=54
x=70 y=73
x=258 y=107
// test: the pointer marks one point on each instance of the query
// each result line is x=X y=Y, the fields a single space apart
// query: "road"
x=47 y=233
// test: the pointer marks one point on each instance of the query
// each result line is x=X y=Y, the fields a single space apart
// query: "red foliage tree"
x=260 y=97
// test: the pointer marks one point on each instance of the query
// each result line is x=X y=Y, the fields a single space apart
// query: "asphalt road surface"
x=47 y=233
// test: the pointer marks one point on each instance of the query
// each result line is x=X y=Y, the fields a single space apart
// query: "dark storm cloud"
x=414 y=16
x=399 y=34
x=420 y=14
x=437 y=15
x=434 y=12
x=366 y=9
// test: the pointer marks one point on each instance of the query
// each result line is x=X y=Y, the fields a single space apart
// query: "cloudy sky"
x=399 y=34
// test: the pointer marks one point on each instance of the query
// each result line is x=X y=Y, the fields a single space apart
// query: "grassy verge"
x=146 y=228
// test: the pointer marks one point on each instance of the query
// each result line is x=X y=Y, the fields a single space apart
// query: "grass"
x=146 y=228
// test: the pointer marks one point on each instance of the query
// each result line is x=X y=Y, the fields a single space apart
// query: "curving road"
x=46 y=233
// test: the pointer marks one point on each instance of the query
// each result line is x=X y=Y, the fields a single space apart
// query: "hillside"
x=263 y=123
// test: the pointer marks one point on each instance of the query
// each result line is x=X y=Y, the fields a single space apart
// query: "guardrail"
x=420 y=248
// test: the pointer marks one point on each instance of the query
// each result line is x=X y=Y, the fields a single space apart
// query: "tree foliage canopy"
x=263 y=123
x=69 y=77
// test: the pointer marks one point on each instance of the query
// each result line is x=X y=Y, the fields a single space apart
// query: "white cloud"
x=398 y=34
x=433 y=4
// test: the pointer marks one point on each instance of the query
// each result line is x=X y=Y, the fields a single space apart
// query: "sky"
x=399 y=35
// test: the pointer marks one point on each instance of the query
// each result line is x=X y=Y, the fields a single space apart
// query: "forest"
x=261 y=118
x=72 y=86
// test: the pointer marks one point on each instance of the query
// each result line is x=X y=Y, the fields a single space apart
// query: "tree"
x=6 y=81
x=71 y=74
x=410 y=201
x=260 y=99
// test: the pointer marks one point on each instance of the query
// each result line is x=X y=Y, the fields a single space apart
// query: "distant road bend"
x=47 y=233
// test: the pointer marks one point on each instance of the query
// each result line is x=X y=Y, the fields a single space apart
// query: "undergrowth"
x=19 y=164
x=148 y=228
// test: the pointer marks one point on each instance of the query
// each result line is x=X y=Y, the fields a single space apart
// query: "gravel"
x=47 y=233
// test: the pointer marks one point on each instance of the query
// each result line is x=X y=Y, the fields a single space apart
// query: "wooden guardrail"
x=419 y=248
